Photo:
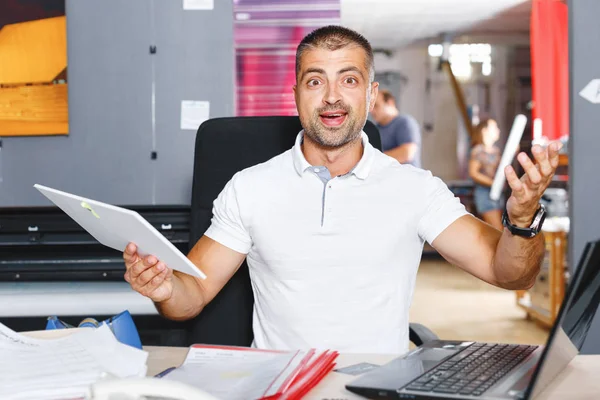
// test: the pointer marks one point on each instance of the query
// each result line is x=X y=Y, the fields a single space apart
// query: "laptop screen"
x=573 y=321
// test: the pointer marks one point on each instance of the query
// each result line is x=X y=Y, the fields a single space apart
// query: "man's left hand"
x=527 y=191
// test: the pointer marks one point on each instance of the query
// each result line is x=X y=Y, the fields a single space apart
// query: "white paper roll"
x=510 y=150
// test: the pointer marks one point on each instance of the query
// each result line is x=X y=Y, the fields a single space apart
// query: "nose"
x=332 y=94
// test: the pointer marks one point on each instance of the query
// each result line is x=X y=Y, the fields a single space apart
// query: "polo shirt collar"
x=361 y=169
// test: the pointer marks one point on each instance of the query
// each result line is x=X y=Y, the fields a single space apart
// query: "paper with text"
x=193 y=114
x=63 y=368
x=238 y=372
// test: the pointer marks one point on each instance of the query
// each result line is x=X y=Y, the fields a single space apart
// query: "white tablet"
x=115 y=227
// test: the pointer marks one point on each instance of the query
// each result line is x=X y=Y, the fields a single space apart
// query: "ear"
x=296 y=97
x=374 y=91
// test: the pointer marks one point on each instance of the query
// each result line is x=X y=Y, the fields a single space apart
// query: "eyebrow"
x=313 y=70
x=340 y=72
x=351 y=69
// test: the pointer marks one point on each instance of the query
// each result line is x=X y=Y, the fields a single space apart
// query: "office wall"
x=111 y=74
x=584 y=140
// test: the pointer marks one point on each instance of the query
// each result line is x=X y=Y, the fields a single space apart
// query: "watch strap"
x=525 y=232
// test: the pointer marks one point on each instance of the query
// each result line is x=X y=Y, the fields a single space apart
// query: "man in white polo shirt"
x=333 y=229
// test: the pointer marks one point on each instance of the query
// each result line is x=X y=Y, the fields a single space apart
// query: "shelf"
x=542 y=301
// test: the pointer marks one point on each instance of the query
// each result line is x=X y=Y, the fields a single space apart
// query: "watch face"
x=539 y=218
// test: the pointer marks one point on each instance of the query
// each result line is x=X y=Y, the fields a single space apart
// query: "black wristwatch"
x=534 y=228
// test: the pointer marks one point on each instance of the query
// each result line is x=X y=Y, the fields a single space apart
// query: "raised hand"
x=527 y=191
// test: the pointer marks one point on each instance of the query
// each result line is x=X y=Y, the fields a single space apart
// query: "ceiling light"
x=435 y=50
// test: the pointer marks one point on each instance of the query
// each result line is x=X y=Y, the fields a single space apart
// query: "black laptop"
x=470 y=370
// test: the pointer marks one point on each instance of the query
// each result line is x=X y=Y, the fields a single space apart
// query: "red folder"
x=264 y=374
x=310 y=376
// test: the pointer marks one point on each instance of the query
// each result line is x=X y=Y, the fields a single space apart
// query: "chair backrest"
x=225 y=146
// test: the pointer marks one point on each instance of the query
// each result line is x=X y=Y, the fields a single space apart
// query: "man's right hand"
x=148 y=276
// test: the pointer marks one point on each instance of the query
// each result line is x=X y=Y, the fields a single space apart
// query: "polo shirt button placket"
x=329 y=208
x=325 y=206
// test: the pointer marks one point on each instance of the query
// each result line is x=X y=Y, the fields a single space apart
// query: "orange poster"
x=33 y=68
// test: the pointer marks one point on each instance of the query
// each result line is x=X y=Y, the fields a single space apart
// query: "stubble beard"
x=333 y=137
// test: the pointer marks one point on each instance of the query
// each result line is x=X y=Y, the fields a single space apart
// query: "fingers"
x=156 y=281
x=153 y=282
x=526 y=191
x=543 y=161
x=553 y=151
x=130 y=254
x=518 y=188
x=147 y=275
x=546 y=163
x=533 y=174
x=136 y=269
x=130 y=249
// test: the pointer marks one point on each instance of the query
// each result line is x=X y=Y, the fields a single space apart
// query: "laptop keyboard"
x=473 y=370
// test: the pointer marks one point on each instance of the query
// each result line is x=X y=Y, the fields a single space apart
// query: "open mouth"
x=333 y=118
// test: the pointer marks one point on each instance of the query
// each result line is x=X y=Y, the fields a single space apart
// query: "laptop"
x=443 y=369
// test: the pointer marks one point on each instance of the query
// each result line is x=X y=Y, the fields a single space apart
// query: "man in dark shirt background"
x=400 y=134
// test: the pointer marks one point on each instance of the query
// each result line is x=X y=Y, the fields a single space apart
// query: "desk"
x=579 y=381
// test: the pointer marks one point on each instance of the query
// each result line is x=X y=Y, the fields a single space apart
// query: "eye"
x=313 y=82
x=350 y=81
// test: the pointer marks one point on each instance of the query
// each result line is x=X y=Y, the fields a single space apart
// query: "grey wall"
x=110 y=72
x=584 y=146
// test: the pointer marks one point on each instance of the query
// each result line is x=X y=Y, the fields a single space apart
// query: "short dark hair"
x=334 y=37
x=387 y=96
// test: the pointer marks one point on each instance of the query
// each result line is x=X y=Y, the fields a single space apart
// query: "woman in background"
x=485 y=157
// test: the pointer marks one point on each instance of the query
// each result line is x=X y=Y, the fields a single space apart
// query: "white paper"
x=512 y=145
x=198 y=4
x=237 y=373
x=64 y=367
x=194 y=113
x=115 y=227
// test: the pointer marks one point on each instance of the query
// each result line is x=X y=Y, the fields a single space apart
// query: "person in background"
x=484 y=161
x=400 y=133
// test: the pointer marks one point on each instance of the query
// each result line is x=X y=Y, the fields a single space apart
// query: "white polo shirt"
x=333 y=264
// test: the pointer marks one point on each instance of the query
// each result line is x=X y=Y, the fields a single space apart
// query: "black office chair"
x=225 y=146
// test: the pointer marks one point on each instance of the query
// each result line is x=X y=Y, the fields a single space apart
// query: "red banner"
x=550 y=69
x=266 y=34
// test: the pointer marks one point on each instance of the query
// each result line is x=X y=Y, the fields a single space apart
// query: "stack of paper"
x=245 y=373
x=63 y=368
